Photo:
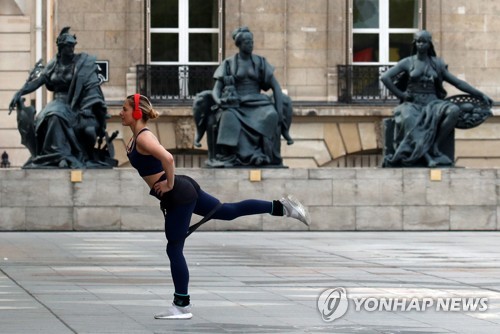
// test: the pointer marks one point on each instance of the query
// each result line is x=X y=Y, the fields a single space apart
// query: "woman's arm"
x=149 y=144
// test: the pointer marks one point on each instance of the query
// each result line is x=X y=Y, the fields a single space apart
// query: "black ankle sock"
x=277 y=209
x=181 y=300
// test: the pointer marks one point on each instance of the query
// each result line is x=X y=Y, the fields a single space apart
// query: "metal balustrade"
x=361 y=84
x=174 y=83
x=181 y=83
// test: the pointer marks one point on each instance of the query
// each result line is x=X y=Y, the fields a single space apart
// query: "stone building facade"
x=310 y=43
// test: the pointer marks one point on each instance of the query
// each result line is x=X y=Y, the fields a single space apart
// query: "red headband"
x=137 y=98
x=137 y=113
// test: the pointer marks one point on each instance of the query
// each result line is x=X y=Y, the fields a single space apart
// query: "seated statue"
x=243 y=125
x=424 y=120
x=69 y=132
x=5 y=160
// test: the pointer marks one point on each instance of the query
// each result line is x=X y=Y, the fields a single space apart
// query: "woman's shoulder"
x=145 y=138
x=145 y=133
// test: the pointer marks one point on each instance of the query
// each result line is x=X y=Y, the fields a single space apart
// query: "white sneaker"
x=293 y=208
x=175 y=312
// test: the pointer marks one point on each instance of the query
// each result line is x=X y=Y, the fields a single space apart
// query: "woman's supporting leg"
x=176 y=226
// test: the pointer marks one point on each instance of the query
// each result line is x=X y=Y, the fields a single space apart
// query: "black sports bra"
x=145 y=164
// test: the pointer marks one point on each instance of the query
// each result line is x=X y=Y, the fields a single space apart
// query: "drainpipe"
x=285 y=48
x=50 y=21
x=38 y=48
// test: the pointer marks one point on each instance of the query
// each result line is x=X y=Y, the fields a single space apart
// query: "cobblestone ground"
x=251 y=282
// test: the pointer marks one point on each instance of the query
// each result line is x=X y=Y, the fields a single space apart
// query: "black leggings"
x=177 y=221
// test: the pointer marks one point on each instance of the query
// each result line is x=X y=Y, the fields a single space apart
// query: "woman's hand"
x=163 y=187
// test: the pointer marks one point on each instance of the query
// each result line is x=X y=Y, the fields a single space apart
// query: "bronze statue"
x=65 y=133
x=5 y=160
x=424 y=120
x=243 y=125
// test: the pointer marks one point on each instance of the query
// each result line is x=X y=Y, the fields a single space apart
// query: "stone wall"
x=338 y=199
x=16 y=59
x=465 y=36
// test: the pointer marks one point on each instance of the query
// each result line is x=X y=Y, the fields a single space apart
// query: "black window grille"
x=361 y=84
x=174 y=83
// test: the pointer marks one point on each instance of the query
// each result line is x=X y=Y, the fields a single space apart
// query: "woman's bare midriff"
x=151 y=179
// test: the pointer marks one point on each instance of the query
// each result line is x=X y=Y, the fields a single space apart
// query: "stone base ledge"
x=351 y=199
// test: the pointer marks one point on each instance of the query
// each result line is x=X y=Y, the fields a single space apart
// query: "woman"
x=180 y=197
x=249 y=123
x=423 y=119
x=65 y=131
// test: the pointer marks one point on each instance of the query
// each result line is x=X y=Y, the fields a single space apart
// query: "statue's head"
x=426 y=36
x=184 y=133
x=65 y=38
x=240 y=34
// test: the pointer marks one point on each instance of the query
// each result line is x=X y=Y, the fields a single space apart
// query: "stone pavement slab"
x=249 y=282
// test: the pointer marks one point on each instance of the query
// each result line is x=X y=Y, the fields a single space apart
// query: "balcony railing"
x=174 y=83
x=178 y=83
x=361 y=84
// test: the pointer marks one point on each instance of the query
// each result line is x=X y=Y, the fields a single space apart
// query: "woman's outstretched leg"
x=228 y=211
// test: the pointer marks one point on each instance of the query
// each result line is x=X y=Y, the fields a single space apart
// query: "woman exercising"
x=180 y=196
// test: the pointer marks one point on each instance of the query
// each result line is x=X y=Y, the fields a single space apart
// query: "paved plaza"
x=250 y=282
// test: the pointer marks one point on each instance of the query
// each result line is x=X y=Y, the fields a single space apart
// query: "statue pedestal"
x=338 y=199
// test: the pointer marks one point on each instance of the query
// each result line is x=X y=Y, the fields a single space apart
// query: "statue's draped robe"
x=255 y=130
x=417 y=122
x=56 y=125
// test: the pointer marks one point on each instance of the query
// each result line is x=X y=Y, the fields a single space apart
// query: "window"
x=184 y=48
x=382 y=34
x=184 y=32
x=382 y=30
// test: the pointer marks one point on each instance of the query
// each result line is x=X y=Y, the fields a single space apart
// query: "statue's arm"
x=389 y=84
x=465 y=87
x=217 y=91
x=278 y=97
x=387 y=80
x=28 y=87
x=31 y=86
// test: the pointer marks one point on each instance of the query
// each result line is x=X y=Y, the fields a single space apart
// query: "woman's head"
x=243 y=36
x=145 y=107
x=423 y=40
